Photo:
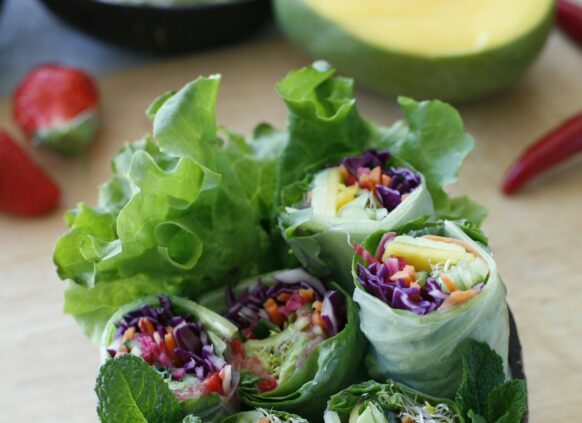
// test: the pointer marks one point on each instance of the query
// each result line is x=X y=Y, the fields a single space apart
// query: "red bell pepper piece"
x=569 y=18
x=553 y=148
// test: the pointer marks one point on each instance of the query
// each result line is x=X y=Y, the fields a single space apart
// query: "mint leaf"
x=476 y=418
x=129 y=390
x=482 y=371
x=506 y=403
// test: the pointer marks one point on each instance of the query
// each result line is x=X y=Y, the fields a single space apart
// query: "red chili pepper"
x=569 y=18
x=553 y=148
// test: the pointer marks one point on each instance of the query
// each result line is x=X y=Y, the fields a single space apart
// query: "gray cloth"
x=30 y=34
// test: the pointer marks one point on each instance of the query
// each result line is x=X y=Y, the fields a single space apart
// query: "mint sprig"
x=130 y=390
x=484 y=395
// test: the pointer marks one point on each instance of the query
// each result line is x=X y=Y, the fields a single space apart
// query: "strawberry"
x=56 y=106
x=25 y=189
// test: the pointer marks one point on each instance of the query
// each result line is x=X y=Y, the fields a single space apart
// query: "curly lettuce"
x=175 y=217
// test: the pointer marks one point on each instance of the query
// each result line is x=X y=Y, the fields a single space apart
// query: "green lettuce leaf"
x=175 y=215
x=131 y=391
x=436 y=145
x=323 y=126
x=92 y=307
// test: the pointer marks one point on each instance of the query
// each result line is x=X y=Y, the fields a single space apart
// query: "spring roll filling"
x=181 y=349
x=422 y=274
x=361 y=187
x=281 y=321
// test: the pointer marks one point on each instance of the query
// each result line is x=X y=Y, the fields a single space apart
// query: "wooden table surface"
x=49 y=367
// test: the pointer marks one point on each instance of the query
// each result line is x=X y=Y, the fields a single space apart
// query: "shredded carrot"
x=128 y=334
x=306 y=293
x=264 y=420
x=406 y=419
x=454 y=241
x=364 y=181
x=376 y=176
x=459 y=297
x=145 y=326
x=344 y=174
x=170 y=343
x=386 y=180
x=317 y=305
x=448 y=282
x=169 y=329
x=273 y=311
x=408 y=275
x=283 y=297
x=269 y=303
x=317 y=320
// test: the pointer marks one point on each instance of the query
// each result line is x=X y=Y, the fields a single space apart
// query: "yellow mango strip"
x=454 y=241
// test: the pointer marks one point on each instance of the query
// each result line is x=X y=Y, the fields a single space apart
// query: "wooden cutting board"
x=49 y=368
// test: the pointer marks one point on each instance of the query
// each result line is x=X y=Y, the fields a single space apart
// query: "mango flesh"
x=452 y=50
x=422 y=253
x=326 y=185
x=434 y=28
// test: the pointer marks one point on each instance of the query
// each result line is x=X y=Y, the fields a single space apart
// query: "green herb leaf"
x=507 y=403
x=476 y=418
x=482 y=371
x=131 y=391
x=92 y=307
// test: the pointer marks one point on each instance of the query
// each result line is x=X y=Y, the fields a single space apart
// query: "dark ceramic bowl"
x=164 y=29
x=516 y=357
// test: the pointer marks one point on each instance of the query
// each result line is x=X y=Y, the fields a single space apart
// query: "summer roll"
x=423 y=290
x=186 y=344
x=348 y=202
x=262 y=415
x=299 y=340
x=390 y=402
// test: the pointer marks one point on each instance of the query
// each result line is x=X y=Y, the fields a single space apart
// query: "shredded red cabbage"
x=193 y=353
x=375 y=279
x=402 y=180
x=248 y=308
x=369 y=158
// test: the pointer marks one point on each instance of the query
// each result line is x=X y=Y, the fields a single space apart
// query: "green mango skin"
x=454 y=79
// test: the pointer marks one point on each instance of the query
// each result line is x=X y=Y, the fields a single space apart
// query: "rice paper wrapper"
x=325 y=246
x=331 y=366
x=209 y=407
x=424 y=352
